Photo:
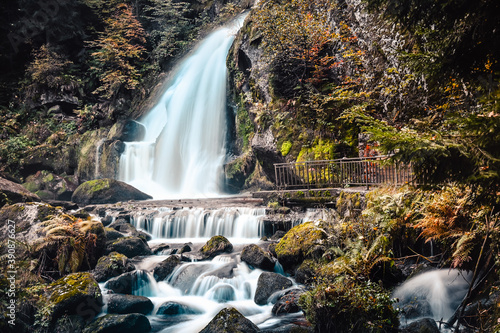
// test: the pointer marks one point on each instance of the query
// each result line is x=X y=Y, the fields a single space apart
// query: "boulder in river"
x=257 y=257
x=229 y=320
x=111 y=266
x=267 y=284
x=104 y=191
x=11 y=192
x=215 y=246
x=123 y=304
x=129 y=246
x=122 y=284
x=165 y=268
x=119 y=323
x=424 y=325
x=174 y=309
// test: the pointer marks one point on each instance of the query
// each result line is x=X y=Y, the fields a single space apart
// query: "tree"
x=118 y=54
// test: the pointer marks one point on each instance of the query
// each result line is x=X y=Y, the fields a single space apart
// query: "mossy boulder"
x=229 y=320
x=11 y=193
x=215 y=246
x=300 y=243
x=129 y=246
x=111 y=266
x=50 y=186
x=75 y=294
x=269 y=283
x=123 y=304
x=119 y=323
x=166 y=267
x=288 y=303
x=104 y=191
x=350 y=204
x=257 y=257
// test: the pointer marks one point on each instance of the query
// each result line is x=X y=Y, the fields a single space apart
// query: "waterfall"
x=183 y=150
x=435 y=294
x=199 y=223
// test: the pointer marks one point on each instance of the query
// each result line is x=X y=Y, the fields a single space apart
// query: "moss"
x=31 y=186
x=285 y=148
x=72 y=285
x=45 y=212
x=300 y=240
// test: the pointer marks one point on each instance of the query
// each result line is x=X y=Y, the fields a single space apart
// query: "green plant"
x=285 y=148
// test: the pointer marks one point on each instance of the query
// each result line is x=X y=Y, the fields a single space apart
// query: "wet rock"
x=112 y=234
x=185 y=248
x=215 y=246
x=237 y=171
x=123 y=304
x=103 y=191
x=267 y=284
x=165 y=268
x=175 y=309
x=122 y=284
x=129 y=246
x=127 y=229
x=11 y=193
x=111 y=266
x=230 y=320
x=424 y=325
x=127 y=131
x=159 y=248
x=187 y=275
x=256 y=257
x=116 y=323
x=278 y=235
x=288 y=303
x=75 y=294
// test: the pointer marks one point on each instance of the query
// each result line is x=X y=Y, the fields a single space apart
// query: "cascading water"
x=183 y=150
x=435 y=294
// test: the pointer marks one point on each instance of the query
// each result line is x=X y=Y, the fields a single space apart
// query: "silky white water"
x=183 y=150
x=435 y=294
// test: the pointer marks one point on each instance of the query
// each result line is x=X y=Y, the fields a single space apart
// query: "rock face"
x=124 y=304
x=267 y=284
x=111 y=266
x=229 y=320
x=11 y=192
x=257 y=257
x=103 y=191
x=165 y=268
x=75 y=294
x=129 y=246
x=128 y=130
x=215 y=246
x=115 y=323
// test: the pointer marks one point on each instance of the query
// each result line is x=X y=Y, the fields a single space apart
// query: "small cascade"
x=201 y=223
x=145 y=284
x=98 y=153
x=435 y=294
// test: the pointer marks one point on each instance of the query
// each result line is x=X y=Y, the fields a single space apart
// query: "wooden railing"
x=342 y=172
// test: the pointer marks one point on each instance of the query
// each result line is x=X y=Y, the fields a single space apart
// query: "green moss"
x=31 y=186
x=300 y=240
x=72 y=285
x=285 y=148
x=45 y=212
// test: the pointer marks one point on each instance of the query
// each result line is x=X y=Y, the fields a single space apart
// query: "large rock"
x=123 y=304
x=288 y=303
x=165 y=268
x=257 y=257
x=111 y=266
x=237 y=171
x=129 y=246
x=49 y=186
x=116 y=323
x=424 y=325
x=175 y=309
x=299 y=243
x=128 y=130
x=11 y=193
x=103 y=191
x=229 y=320
x=215 y=246
x=75 y=294
x=122 y=284
x=67 y=243
x=269 y=283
